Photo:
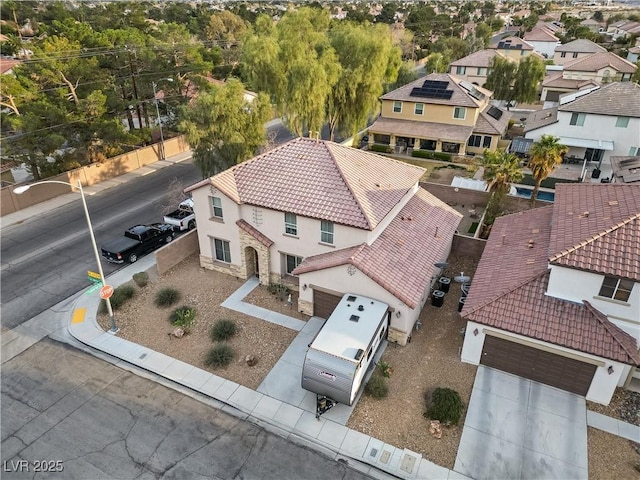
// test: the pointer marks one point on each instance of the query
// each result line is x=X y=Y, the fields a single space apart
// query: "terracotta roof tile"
x=481 y=58
x=258 y=235
x=596 y=227
x=320 y=179
x=540 y=34
x=558 y=81
x=402 y=258
x=487 y=124
x=617 y=98
x=581 y=45
x=598 y=61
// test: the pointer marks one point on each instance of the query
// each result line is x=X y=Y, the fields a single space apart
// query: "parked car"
x=138 y=241
x=183 y=218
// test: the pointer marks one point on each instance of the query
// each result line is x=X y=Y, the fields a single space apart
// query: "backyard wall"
x=467 y=246
x=456 y=196
x=89 y=175
x=173 y=253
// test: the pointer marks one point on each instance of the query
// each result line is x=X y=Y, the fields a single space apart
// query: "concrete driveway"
x=516 y=428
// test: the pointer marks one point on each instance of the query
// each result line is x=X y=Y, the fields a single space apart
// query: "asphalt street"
x=68 y=415
x=46 y=258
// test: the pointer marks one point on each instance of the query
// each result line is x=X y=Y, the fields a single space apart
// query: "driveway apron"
x=517 y=428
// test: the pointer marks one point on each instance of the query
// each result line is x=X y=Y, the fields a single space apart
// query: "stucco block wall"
x=602 y=386
x=173 y=253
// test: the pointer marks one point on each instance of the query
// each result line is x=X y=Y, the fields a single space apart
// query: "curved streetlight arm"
x=23 y=188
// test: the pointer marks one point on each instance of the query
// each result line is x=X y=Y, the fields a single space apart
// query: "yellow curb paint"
x=78 y=315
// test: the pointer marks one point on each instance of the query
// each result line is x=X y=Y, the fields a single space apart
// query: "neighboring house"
x=595 y=124
x=577 y=49
x=7 y=65
x=556 y=295
x=474 y=68
x=327 y=220
x=633 y=54
x=626 y=169
x=593 y=25
x=623 y=28
x=513 y=47
x=594 y=69
x=542 y=40
x=441 y=113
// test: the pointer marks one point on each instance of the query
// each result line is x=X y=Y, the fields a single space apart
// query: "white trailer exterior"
x=343 y=349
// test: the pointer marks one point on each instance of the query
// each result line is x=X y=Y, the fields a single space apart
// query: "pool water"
x=526 y=193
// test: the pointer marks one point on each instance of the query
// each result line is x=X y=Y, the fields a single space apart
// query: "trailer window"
x=369 y=353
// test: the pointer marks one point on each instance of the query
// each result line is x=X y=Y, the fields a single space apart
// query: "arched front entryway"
x=251 y=261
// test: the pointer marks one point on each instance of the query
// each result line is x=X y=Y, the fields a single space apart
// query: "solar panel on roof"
x=477 y=94
x=495 y=113
x=432 y=89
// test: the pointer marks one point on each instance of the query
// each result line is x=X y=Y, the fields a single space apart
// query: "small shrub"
x=377 y=387
x=376 y=147
x=385 y=369
x=167 y=297
x=141 y=279
x=120 y=296
x=183 y=317
x=445 y=157
x=223 y=330
x=280 y=290
x=219 y=355
x=444 y=405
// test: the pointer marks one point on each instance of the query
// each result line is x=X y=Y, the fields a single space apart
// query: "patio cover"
x=413 y=129
x=586 y=143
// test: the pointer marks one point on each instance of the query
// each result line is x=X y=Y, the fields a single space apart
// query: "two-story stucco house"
x=327 y=220
x=441 y=113
x=475 y=67
x=556 y=296
x=543 y=41
x=596 y=125
x=574 y=50
x=514 y=47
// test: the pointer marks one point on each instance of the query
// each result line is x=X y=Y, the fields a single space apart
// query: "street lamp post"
x=24 y=188
x=155 y=98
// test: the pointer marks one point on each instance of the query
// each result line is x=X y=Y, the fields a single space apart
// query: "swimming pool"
x=542 y=195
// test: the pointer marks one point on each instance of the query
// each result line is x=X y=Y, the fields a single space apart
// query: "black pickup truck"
x=138 y=241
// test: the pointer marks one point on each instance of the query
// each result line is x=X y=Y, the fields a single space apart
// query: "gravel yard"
x=431 y=360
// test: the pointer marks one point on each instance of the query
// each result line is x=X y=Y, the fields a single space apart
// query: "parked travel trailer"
x=338 y=358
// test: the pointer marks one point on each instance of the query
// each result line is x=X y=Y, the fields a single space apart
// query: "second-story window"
x=481 y=71
x=577 y=119
x=326 y=232
x=461 y=70
x=419 y=109
x=622 y=122
x=290 y=224
x=616 y=288
x=397 y=107
x=563 y=54
x=216 y=207
x=459 y=113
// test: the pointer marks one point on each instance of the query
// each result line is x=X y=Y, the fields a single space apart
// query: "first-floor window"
x=616 y=288
x=474 y=140
x=486 y=142
x=292 y=262
x=326 y=232
x=223 y=252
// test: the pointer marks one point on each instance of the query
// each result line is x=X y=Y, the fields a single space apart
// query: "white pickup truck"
x=183 y=218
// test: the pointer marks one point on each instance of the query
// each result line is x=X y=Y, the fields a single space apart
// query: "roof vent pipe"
x=360 y=308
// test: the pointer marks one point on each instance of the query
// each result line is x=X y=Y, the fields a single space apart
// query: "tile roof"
x=556 y=80
x=509 y=292
x=541 y=118
x=540 y=34
x=598 y=61
x=581 y=45
x=401 y=260
x=320 y=179
x=414 y=128
x=489 y=125
x=626 y=169
x=459 y=98
x=481 y=58
x=258 y=235
x=7 y=64
x=511 y=43
x=617 y=98
x=596 y=227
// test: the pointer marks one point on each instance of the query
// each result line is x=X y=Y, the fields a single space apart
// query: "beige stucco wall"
x=558 y=60
x=432 y=113
x=516 y=54
x=173 y=253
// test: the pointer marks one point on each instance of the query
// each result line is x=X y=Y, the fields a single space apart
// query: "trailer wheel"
x=133 y=258
x=192 y=225
x=168 y=239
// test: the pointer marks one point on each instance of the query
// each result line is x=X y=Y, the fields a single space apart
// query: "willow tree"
x=368 y=60
x=223 y=128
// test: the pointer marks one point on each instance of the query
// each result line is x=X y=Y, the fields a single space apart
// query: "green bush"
x=445 y=157
x=183 y=317
x=385 y=369
x=141 y=279
x=280 y=290
x=223 y=330
x=219 y=355
x=444 y=405
x=167 y=297
x=120 y=296
x=377 y=387
x=380 y=148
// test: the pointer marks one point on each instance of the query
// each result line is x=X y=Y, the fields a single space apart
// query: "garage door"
x=545 y=367
x=324 y=303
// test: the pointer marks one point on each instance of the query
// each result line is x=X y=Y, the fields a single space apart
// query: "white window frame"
x=223 y=251
x=327 y=231
x=418 y=109
x=622 y=122
x=577 y=119
x=296 y=261
x=215 y=209
x=621 y=291
x=290 y=224
x=457 y=111
x=397 y=106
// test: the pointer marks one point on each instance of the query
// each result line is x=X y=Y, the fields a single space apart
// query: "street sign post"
x=94 y=277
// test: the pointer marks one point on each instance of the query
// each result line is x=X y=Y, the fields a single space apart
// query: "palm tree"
x=546 y=153
x=501 y=169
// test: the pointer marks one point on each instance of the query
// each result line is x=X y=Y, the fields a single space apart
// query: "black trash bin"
x=444 y=283
x=461 y=303
x=595 y=173
x=437 y=298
